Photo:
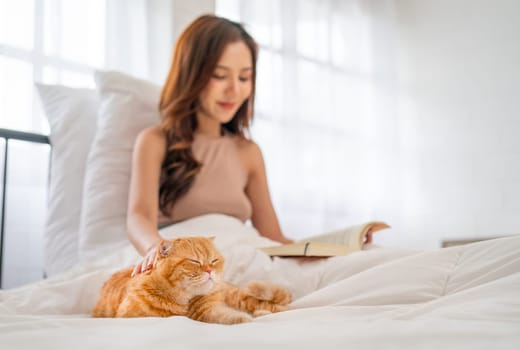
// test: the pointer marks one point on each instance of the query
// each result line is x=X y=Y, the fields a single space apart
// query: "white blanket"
x=460 y=297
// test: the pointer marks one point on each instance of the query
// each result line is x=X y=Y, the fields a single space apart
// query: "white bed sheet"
x=455 y=298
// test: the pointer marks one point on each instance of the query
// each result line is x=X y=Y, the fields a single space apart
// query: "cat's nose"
x=208 y=271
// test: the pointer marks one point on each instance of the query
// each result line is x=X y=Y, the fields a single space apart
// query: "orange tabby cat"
x=185 y=281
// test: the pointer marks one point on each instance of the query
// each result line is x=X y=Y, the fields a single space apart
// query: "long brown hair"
x=196 y=54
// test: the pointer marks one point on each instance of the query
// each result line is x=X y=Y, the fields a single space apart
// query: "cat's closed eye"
x=194 y=262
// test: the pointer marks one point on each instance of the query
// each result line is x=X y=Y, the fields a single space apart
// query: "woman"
x=199 y=160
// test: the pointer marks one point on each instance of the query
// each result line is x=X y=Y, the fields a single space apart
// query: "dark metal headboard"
x=7 y=135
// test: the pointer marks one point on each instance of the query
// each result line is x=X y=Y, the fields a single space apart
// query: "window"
x=50 y=41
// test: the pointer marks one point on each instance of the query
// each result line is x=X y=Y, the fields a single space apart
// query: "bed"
x=462 y=297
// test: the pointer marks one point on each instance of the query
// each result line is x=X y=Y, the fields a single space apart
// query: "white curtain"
x=326 y=70
x=140 y=37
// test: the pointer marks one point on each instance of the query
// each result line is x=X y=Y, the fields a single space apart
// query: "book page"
x=351 y=236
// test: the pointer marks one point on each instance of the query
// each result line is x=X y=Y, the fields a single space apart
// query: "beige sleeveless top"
x=219 y=187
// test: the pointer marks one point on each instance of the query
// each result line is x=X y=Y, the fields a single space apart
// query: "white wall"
x=458 y=117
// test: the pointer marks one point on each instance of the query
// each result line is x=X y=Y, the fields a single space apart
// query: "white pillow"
x=127 y=105
x=71 y=114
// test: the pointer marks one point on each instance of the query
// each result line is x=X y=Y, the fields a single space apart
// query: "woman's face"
x=229 y=86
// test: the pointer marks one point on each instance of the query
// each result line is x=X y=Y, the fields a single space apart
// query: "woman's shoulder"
x=246 y=145
x=151 y=142
x=250 y=153
x=152 y=135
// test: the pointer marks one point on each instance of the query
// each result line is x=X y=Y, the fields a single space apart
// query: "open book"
x=339 y=242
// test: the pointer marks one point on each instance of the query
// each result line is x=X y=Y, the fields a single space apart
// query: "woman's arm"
x=264 y=216
x=149 y=152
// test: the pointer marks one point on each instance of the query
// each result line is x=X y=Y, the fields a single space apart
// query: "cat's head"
x=191 y=262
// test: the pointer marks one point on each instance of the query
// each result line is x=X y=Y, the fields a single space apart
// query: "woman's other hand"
x=368 y=237
x=283 y=240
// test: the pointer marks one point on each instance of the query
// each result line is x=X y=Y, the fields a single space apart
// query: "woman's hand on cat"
x=147 y=263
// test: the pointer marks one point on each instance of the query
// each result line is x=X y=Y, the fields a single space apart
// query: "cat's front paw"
x=261 y=312
x=269 y=292
x=239 y=317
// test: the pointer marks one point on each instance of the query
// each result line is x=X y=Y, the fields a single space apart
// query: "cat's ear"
x=212 y=238
x=165 y=248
